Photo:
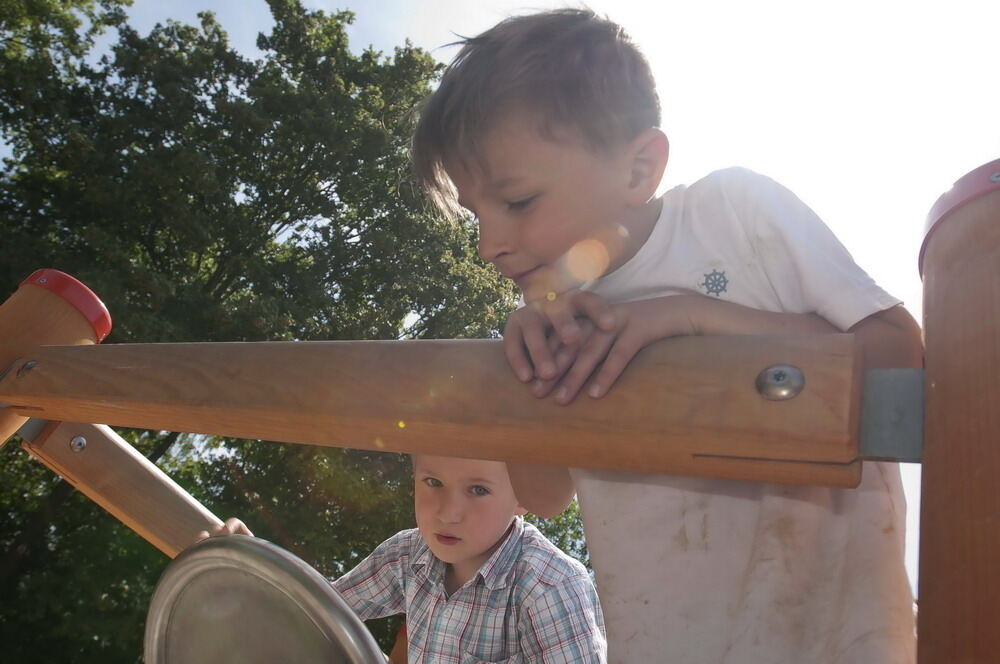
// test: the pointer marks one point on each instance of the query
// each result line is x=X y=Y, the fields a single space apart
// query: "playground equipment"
x=237 y=599
x=749 y=408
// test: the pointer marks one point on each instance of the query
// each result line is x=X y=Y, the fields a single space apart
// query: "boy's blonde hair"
x=565 y=68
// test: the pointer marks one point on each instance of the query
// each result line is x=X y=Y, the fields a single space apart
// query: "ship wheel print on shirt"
x=715 y=283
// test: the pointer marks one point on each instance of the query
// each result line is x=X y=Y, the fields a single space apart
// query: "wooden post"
x=959 y=594
x=49 y=307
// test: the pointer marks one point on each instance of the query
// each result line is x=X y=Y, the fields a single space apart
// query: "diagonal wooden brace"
x=112 y=473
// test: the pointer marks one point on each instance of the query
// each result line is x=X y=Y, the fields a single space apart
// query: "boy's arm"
x=564 y=624
x=373 y=589
x=891 y=338
x=542 y=490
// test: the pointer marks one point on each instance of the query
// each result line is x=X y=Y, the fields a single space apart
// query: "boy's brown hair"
x=567 y=68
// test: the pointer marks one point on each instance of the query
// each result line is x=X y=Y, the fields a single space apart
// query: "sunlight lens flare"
x=587 y=260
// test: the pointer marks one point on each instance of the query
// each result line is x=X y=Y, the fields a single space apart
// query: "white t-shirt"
x=693 y=570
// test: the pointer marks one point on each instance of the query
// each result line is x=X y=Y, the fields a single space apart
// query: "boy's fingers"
x=564 y=356
x=533 y=332
x=516 y=353
x=596 y=309
x=234 y=526
x=586 y=361
x=617 y=359
x=563 y=320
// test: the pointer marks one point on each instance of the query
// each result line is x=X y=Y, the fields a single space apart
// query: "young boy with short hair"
x=477 y=583
x=545 y=127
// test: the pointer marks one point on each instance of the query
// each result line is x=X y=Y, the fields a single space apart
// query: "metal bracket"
x=30 y=429
x=892 y=415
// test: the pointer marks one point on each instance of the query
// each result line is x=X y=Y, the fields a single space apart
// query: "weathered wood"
x=131 y=488
x=686 y=405
x=960 y=507
x=33 y=316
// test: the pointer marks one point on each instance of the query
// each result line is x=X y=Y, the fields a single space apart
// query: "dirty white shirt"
x=703 y=571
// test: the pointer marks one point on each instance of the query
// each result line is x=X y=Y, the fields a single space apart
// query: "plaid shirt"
x=529 y=603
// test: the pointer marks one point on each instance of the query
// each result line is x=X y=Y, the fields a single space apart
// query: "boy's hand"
x=535 y=331
x=608 y=351
x=231 y=526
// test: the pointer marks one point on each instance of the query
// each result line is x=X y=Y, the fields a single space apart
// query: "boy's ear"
x=648 y=153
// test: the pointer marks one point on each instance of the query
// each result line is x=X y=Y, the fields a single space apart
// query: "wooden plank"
x=117 y=477
x=960 y=506
x=685 y=406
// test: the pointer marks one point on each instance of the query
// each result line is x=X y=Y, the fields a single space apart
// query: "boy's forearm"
x=711 y=316
x=890 y=338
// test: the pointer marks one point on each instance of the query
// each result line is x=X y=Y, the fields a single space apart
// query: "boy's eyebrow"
x=430 y=471
x=481 y=480
x=500 y=183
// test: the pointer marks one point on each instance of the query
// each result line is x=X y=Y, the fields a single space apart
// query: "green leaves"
x=207 y=196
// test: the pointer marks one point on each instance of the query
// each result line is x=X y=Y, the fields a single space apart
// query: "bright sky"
x=867 y=109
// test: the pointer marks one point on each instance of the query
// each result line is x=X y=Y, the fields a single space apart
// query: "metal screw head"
x=780 y=382
x=995 y=177
x=78 y=443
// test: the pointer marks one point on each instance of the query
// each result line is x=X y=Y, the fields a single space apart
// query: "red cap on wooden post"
x=77 y=294
x=49 y=308
x=970 y=186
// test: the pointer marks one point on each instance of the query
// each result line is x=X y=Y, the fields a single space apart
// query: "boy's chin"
x=447 y=555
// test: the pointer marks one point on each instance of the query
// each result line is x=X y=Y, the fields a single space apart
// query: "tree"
x=206 y=196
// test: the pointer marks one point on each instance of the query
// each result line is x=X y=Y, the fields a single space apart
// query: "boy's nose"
x=451 y=510
x=494 y=240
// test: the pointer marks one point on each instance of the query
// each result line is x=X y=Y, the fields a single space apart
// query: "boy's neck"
x=637 y=228
x=452 y=580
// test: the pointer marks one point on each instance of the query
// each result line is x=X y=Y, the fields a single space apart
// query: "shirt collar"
x=495 y=570
x=424 y=559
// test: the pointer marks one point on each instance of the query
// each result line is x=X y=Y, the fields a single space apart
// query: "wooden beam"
x=960 y=501
x=686 y=406
x=112 y=473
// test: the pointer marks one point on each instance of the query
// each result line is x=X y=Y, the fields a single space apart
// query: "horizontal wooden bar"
x=108 y=470
x=685 y=406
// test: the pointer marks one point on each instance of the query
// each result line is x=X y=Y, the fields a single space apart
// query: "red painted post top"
x=972 y=185
x=77 y=294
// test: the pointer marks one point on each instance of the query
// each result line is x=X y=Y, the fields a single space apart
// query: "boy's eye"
x=520 y=204
x=479 y=490
x=432 y=481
